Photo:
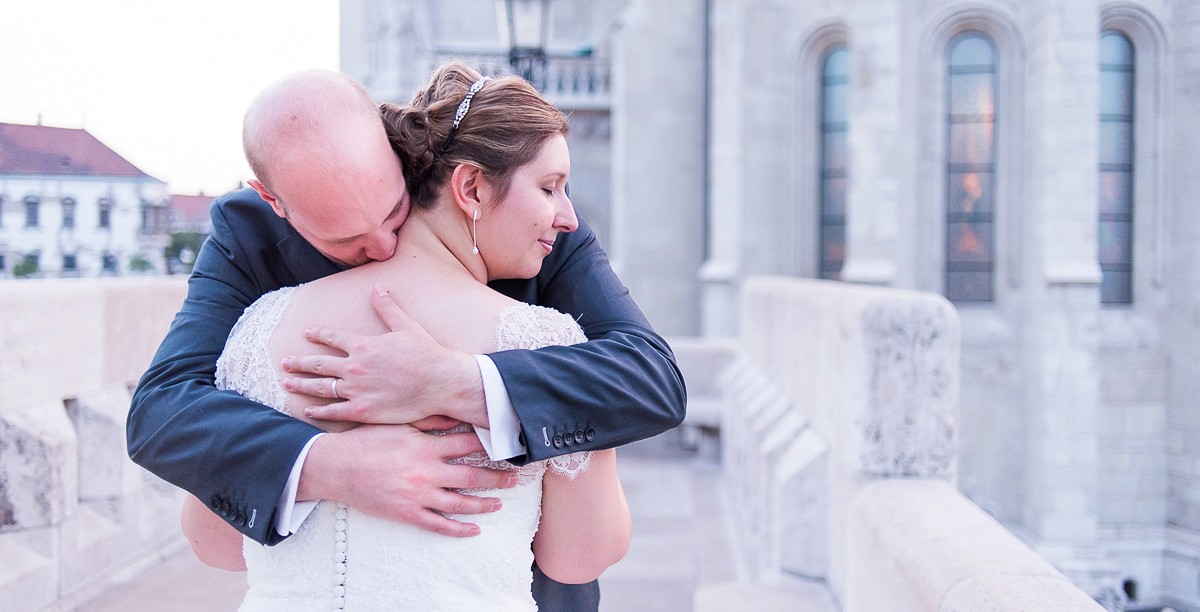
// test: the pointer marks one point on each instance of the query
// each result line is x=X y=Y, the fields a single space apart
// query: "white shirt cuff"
x=502 y=439
x=289 y=512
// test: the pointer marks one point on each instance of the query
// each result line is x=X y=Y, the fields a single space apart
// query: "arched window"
x=32 y=208
x=104 y=220
x=1115 y=227
x=68 y=212
x=970 y=168
x=835 y=84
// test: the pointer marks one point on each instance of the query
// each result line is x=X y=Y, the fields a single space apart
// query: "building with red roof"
x=71 y=206
x=190 y=213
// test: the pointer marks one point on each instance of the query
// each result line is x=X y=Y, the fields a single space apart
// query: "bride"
x=486 y=164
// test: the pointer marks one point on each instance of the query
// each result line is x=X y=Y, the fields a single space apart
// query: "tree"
x=26 y=268
x=138 y=263
x=181 y=254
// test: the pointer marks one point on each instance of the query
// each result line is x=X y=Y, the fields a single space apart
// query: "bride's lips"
x=547 y=244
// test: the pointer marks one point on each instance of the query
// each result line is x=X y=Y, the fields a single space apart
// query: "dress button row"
x=339 y=557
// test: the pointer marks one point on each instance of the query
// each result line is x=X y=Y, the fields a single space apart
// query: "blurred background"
x=892 y=242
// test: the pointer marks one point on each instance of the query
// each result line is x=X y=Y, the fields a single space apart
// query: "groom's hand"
x=398 y=377
x=399 y=473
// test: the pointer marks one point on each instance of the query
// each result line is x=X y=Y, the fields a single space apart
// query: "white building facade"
x=1031 y=160
x=70 y=206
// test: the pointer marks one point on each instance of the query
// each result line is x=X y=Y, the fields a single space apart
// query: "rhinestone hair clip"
x=466 y=103
x=463 y=107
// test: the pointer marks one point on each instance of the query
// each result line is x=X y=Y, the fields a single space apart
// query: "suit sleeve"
x=619 y=387
x=232 y=453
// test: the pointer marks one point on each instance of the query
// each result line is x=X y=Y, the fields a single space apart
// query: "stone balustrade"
x=837 y=409
x=74 y=510
x=839 y=443
x=570 y=82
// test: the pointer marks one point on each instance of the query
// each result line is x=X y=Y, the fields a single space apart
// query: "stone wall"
x=839 y=438
x=74 y=510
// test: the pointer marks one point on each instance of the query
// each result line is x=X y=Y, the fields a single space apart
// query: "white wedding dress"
x=341 y=559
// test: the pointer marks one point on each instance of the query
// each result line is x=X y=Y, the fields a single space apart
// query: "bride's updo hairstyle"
x=505 y=125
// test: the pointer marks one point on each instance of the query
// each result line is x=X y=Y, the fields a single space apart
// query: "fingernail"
x=510 y=482
x=308 y=333
x=496 y=505
x=379 y=291
x=287 y=364
x=474 y=531
x=288 y=384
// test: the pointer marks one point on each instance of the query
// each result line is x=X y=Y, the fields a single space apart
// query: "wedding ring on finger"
x=333 y=388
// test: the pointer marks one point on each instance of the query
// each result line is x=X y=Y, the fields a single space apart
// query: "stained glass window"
x=970 y=168
x=835 y=85
x=1115 y=228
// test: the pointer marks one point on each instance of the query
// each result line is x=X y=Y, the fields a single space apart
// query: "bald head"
x=316 y=143
x=306 y=111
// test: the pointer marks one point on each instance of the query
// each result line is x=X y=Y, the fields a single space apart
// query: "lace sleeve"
x=245 y=364
x=531 y=327
x=526 y=326
x=571 y=465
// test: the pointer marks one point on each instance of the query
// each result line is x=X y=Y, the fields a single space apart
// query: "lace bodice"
x=342 y=559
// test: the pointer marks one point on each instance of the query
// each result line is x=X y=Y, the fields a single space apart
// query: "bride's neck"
x=439 y=237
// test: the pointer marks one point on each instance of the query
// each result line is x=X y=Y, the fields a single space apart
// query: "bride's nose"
x=564 y=218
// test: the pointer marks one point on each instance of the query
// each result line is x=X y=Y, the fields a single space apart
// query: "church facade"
x=1032 y=161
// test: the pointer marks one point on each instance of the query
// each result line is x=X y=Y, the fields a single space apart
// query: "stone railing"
x=839 y=444
x=74 y=510
x=570 y=82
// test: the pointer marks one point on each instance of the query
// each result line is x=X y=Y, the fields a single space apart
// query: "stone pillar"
x=876 y=142
x=1182 y=567
x=1061 y=333
x=658 y=101
x=39 y=486
x=719 y=276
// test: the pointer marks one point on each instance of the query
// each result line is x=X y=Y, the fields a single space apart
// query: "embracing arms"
x=232 y=453
x=236 y=455
x=621 y=386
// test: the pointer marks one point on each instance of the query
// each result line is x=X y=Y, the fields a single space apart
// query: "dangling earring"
x=474 y=242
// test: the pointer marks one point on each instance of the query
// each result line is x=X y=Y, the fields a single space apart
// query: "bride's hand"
x=401 y=376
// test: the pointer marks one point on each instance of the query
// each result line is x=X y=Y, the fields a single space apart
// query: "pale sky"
x=164 y=83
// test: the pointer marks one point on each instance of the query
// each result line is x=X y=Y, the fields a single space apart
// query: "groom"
x=330 y=195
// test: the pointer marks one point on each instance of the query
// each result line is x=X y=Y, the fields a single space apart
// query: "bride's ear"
x=469 y=188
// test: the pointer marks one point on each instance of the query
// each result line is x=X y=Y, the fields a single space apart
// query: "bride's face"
x=517 y=233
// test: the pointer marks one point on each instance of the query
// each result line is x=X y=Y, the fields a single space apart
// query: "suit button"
x=590 y=434
x=226 y=508
x=241 y=519
x=568 y=438
x=215 y=503
x=579 y=436
x=558 y=441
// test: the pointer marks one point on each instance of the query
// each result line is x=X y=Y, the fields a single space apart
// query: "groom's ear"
x=468 y=187
x=268 y=197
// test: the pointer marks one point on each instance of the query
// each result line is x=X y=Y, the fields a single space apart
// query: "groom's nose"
x=382 y=246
